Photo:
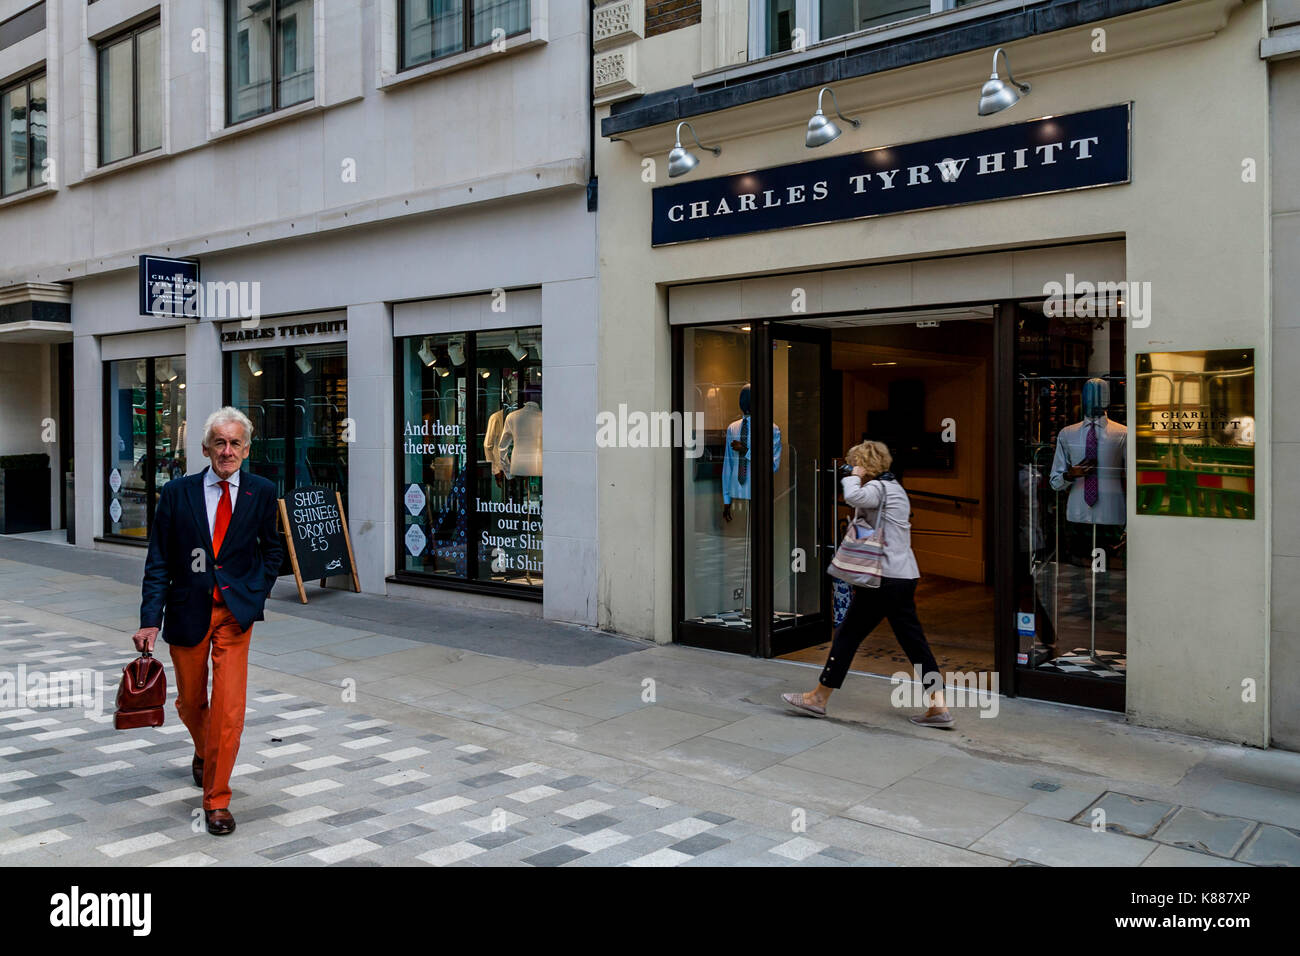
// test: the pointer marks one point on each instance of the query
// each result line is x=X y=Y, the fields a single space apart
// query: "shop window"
x=470 y=493
x=270 y=61
x=297 y=399
x=1071 y=442
x=430 y=29
x=717 y=516
x=130 y=94
x=145 y=432
x=25 y=135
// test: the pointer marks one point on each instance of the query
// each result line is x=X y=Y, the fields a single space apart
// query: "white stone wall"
x=1199 y=599
x=470 y=176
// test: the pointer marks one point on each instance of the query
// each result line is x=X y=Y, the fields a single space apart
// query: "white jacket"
x=899 y=562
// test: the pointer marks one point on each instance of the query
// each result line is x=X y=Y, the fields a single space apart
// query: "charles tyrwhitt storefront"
x=1053 y=316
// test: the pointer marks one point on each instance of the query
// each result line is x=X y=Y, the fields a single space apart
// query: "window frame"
x=150 y=387
x=808 y=16
x=133 y=35
x=472 y=580
x=466 y=34
x=25 y=83
x=232 y=61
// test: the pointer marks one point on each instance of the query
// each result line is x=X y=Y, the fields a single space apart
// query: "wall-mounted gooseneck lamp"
x=997 y=95
x=681 y=161
x=821 y=129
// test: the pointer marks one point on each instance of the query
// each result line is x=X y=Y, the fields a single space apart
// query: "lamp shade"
x=427 y=355
x=996 y=94
x=680 y=161
x=821 y=130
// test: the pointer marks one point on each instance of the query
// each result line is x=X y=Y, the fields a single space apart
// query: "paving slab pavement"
x=373 y=741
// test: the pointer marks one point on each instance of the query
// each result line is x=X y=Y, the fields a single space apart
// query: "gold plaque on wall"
x=1195 y=428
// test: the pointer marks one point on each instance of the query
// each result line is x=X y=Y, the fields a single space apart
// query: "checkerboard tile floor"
x=320 y=784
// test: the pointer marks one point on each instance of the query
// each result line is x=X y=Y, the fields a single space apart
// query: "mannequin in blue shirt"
x=736 y=456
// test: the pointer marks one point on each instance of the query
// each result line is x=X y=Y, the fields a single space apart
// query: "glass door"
x=802 y=489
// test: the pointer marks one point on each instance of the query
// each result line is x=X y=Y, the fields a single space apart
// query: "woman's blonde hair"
x=871 y=455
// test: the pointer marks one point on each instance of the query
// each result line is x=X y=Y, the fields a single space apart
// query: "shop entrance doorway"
x=922 y=383
x=1007 y=426
x=923 y=386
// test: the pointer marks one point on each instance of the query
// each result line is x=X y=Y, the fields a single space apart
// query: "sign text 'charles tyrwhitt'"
x=1056 y=153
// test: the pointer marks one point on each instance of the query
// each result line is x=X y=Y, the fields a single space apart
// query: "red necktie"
x=219 y=532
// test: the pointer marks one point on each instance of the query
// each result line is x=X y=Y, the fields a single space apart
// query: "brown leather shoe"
x=196 y=768
x=220 y=822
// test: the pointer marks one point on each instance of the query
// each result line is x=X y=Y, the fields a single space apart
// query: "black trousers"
x=895 y=599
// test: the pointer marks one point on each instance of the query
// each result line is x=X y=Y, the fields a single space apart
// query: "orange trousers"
x=217 y=723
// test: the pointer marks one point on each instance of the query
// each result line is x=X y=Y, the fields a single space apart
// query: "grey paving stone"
x=556 y=856
x=286 y=850
x=700 y=843
x=117 y=796
x=353 y=816
x=402 y=834
x=1272 y=846
x=572 y=782
x=62 y=821
x=597 y=821
x=490 y=841
x=1124 y=813
x=487 y=780
x=836 y=853
x=25 y=755
x=712 y=816
x=1194 y=829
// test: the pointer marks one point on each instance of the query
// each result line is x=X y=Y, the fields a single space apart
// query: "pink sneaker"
x=796 y=701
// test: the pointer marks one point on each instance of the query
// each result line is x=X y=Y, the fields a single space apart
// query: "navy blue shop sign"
x=1074 y=151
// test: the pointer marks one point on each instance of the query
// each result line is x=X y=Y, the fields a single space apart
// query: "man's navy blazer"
x=178 y=598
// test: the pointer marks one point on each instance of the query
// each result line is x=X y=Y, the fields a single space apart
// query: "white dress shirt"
x=1071 y=449
x=212 y=496
x=898 y=562
x=519 y=448
x=732 y=486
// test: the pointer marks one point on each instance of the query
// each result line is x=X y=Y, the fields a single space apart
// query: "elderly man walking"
x=214 y=554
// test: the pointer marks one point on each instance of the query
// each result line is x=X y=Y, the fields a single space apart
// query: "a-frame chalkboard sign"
x=316 y=531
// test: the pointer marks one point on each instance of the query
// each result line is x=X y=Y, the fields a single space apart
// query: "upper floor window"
x=430 y=29
x=130 y=93
x=270 y=59
x=22 y=150
x=777 y=20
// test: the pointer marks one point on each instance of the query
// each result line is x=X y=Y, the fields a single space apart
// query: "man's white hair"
x=226 y=416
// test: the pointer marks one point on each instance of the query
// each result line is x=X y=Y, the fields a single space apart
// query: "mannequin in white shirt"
x=520 y=448
x=1099 y=476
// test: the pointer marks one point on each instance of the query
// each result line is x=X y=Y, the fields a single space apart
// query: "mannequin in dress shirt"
x=736 y=457
x=1090 y=461
x=520 y=446
x=492 y=444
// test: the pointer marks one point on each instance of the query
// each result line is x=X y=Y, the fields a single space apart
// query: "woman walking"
x=874 y=492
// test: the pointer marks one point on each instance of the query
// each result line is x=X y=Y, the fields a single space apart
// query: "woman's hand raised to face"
x=859 y=471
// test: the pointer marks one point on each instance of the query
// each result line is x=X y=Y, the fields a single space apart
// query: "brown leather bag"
x=142 y=694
